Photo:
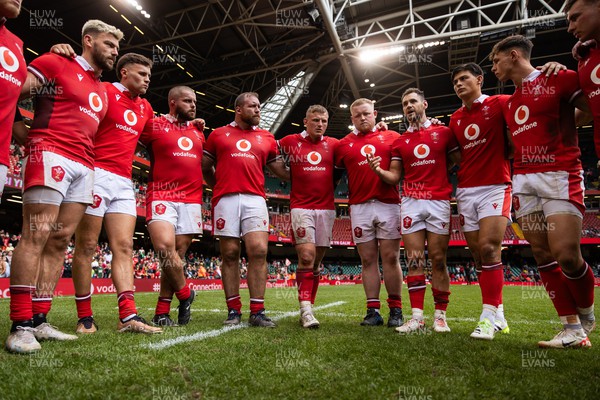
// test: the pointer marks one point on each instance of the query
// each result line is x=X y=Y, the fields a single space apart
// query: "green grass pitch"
x=341 y=360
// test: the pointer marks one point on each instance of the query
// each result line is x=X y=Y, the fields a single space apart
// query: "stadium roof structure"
x=345 y=48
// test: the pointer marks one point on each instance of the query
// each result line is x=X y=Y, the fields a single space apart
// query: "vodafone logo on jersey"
x=421 y=151
x=243 y=145
x=130 y=117
x=314 y=158
x=594 y=76
x=185 y=143
x=95 y=102
x=367 y=149
x=521 y=115
x=8 y=60
x=472 y=132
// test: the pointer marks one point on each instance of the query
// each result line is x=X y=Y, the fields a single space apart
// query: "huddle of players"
x=60 y=173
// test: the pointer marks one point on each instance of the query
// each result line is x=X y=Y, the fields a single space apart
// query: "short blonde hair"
x=360 y=101
x=95 y=26
x=316 y=108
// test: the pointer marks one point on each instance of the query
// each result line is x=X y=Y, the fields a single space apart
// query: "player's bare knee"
x=85 y=246
x=489 y=253
x=438 y=262
x=306 y=259
x=122 y=245
x=259 y=254
x=569 y=262
x=230 y=257
x=370 y=266
x=163 y=249
x=35 y=239
x=542 y=256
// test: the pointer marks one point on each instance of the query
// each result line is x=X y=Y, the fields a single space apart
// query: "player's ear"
x=514 y=55
x=425 y=104
x=375 y=113
x=87 y=40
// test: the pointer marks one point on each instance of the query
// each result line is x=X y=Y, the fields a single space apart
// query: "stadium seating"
x=342 y=229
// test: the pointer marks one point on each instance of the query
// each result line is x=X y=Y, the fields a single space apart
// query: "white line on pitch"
x=163 y=344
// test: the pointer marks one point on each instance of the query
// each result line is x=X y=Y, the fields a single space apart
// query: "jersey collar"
x=480 y=99
x=532 y=76
x=121 y=87
x=173 y=119
x=425 y=125
x=83 y=63
x=305 y=135
x=356 y=132
x=235 y=125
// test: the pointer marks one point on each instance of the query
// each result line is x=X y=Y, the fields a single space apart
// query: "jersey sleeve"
x=567 y=83
x=284 y=144
x=339 y=154
x=452 y=144
x=396 y=149
x=47 y=67
x=146 y=135
x=209 y=146
x=273 y=154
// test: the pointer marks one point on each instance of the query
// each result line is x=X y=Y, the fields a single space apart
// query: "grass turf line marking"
x=163 y=344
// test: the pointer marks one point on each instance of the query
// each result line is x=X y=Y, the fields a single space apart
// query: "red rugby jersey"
x=240 y=156
x=423 y=154
x=589 y=80
x=363 y=183
x=175 y=161
x=68 y=108
x=311 y=169
x=541 y=121
x=481 y=135
x=13 y=72
x=119 y=131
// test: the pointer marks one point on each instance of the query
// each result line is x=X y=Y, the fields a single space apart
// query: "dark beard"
x=103 y=63
x=182 y=116
x=252 y=121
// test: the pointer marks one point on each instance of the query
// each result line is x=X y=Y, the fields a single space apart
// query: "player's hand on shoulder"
x=552 y=67
x=381 y=126
x=63 y=49
x=199 y=123
x=581 y=49
x=435 y=121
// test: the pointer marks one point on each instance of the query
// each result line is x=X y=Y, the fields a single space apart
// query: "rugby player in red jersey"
x=174 y=198
x=583 y=17
x=421 y=156
x=58 y=176
x=13 y=72
x=310 y=157
x=234 y=157
x=114 y=198
x=548 y=182
x=483 y=194
x=374 y=211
